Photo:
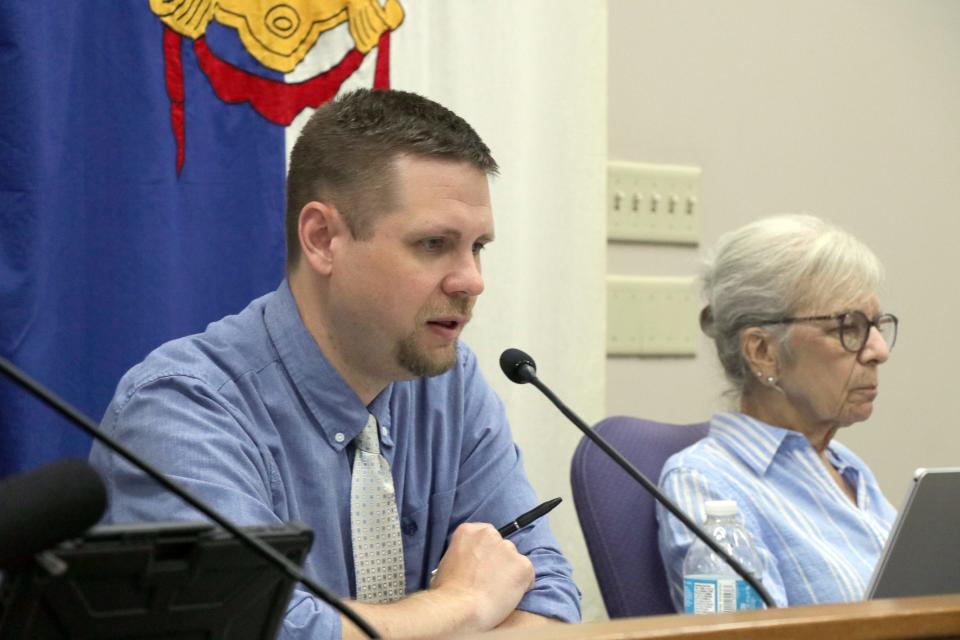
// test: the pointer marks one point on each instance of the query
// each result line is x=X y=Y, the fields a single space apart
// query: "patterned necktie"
x=374 y=522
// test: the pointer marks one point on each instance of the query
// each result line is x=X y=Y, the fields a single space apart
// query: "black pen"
x=529 y=517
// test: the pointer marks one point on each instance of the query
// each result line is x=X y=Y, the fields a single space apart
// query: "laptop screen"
x=922 y=555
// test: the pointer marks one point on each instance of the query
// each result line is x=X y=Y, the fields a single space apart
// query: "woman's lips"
x=868 y=391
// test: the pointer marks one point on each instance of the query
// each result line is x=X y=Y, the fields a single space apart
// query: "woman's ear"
x=761 y=351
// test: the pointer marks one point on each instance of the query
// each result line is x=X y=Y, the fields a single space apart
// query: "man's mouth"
x=448 y=323
x=448 y=326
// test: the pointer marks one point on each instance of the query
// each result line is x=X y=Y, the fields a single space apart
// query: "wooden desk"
x=925 y=617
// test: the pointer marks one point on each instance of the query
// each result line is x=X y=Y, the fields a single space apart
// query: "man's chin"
x=422 y=363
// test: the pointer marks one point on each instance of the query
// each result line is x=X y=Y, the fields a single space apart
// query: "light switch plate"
x=655 y=316
x=653 y=202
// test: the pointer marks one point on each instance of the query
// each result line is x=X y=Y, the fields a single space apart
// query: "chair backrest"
x=618 y=517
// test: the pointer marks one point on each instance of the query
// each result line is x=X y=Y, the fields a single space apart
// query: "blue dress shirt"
x=252 y=418
x=817 y=546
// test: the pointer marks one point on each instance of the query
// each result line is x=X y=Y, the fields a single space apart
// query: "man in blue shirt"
x=388 y=210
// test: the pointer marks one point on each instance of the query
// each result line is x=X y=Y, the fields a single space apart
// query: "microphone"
x=520 y=368
x=269 y=553
x=45 y=506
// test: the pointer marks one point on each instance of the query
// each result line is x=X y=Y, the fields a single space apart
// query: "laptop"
x=922 y=554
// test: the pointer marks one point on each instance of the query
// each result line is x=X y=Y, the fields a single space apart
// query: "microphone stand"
x=272 y=555
x=650 y=487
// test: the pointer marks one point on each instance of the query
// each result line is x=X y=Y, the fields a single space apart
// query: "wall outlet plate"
x=653 y=203
x=653 y=316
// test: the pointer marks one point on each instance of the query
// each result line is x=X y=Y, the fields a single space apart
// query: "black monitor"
x=176 y=581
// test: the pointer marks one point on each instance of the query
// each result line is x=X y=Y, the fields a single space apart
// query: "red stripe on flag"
x=381 y=76
x=173 y=72
x=278 y=102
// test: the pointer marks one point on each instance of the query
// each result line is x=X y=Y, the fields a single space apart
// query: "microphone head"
x=518 y=366
x=45 y=506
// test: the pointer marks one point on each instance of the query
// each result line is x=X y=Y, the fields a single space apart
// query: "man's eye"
x=433 y=244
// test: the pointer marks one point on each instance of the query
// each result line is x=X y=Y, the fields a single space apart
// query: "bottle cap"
x=721 y=508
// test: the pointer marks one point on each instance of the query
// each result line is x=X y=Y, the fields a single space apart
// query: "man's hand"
x=479 y=583
x=486 y=570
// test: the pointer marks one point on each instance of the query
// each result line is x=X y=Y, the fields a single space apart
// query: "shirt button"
x=339 y=437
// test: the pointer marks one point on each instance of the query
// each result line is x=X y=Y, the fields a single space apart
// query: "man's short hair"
x=345 y=155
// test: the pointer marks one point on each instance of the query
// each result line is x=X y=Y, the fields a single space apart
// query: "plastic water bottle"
x=709 y=584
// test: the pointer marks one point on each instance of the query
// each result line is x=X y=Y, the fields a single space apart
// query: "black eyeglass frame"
x=840 y=317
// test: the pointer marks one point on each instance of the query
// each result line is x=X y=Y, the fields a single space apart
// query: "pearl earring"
x=770 y=379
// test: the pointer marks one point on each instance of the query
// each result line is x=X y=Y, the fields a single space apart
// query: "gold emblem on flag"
x=279 y=33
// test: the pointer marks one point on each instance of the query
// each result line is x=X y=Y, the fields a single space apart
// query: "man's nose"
x=465 y=278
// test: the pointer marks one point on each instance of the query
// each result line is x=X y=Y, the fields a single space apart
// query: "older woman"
x=793 y=309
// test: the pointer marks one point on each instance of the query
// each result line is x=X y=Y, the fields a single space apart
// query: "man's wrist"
x=436 y=612
x=458 y=606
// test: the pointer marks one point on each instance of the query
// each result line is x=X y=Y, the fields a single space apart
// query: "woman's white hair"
x=777 y=267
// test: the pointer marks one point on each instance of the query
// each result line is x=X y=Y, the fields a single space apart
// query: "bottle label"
x=712 y=594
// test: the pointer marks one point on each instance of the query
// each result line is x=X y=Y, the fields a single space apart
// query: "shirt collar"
x=757 y=443
x=338 y=411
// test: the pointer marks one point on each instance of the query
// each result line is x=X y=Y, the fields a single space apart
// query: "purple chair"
x=618 y=517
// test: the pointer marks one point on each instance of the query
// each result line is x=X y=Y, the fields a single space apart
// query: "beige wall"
x=849 y=109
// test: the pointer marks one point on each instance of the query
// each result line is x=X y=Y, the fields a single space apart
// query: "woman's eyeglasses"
x=854 y=327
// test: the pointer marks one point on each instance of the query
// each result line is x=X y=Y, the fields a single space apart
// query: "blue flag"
x=107 y=247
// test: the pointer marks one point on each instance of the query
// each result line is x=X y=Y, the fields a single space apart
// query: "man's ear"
x=761 y=350
x=320 y=225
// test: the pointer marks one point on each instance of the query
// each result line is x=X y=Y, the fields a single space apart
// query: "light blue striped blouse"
x=817 y=546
